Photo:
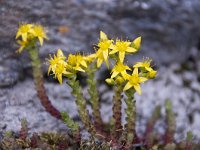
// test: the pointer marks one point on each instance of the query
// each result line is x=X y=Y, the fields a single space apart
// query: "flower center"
x=122 y=46
x=134 y=79
x=120 y=67
x=104 y=45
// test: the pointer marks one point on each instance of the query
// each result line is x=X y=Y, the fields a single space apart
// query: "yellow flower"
x=103 y=50
x=77 y=62
x=22 y=44
x=57 y=59
x=100 y=59
x=59 y=71
x=119 y=68
x=145 y=64
x=121 y=47
x=24 y=30
x=137 y=43
x=40 y=33
x=134 y=81
x=151 y=74
x=58 y=65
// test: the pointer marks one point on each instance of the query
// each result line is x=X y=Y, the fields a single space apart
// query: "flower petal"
x=83 y=63
x=121 y=56
x=79 y=69
x=135 y=71
x=127 y=86
x=148 y=69
x=138 y=64
x=41 y=40
x=24 y=37
x=137 y=42
x=142 y=79
x=99 y=62
x=131 y=50
x=114 y=74
x=138 y=89
x=103 y=36
x=59 y=78
x=113 y=51
x=124 y=74
x=105 y=54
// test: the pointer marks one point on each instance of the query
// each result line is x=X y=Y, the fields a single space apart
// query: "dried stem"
x=149 y=129
x=39 y=83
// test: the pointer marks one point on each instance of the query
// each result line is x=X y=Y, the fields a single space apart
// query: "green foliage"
x=69 y=122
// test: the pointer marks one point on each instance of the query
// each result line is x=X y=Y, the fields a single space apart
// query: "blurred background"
x=170 y=31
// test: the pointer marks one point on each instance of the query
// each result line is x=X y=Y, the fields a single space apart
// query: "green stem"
x=130 y=117
x=39 y=83
x=72 y=125
x=171 y=123
x=81 y=104
x=94 y=100
x=117 y=106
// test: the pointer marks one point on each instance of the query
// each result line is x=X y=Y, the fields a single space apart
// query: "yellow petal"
x=66 y=72
x=138 y=89
x=79 y=69
x=60 y=53
x=127 y=86
x=135 y=71
x=124 y=74
x=137 y=43
x=114 y=74
x=49 y=70
x=152 y=74
x=105 y=54
x=121 y=56
x=60 y=78
x=131 y=50
x=142 y=79
x=110 y=81
x=113 y=51
x=24 y=37
x=99 y=62
x=148 y=68
x=127 y=68
x=112 y=47
x=138 y=64
x=91 y=57
x=41 y=40
x=107 y=63
x=83 y=63
x=18 y=34
x=103 y=36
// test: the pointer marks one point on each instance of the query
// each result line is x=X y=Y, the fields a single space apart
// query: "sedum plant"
x=124 y=79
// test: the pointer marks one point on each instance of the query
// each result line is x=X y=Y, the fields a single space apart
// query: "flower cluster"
x=74 y=63
x=29 y=33
x=107 y=49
